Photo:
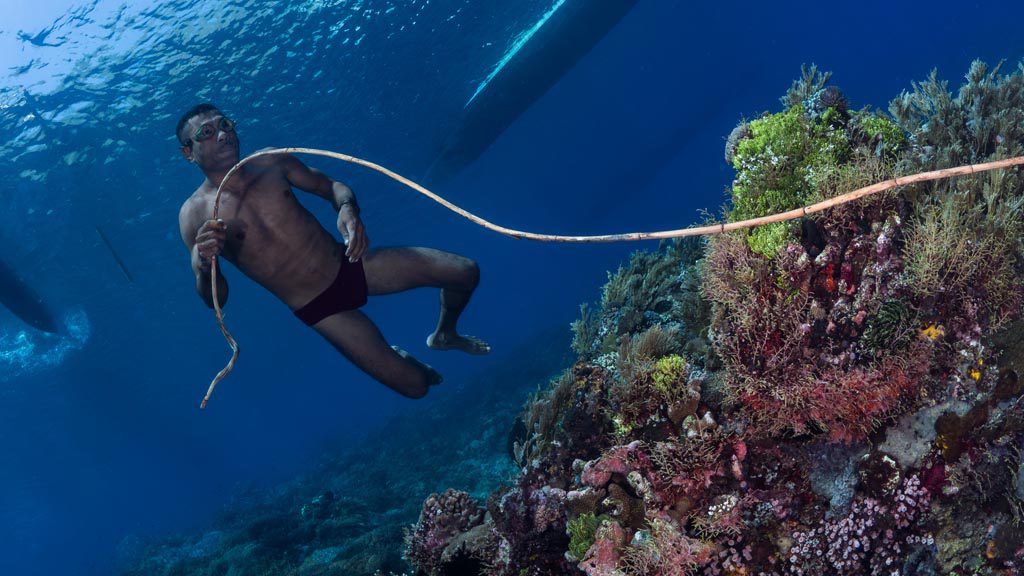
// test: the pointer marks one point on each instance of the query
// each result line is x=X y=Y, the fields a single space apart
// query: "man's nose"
x=221 y=135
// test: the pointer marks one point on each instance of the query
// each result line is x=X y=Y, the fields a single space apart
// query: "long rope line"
x=520 y=234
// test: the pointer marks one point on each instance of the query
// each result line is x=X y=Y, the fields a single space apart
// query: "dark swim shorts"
x=347 y=292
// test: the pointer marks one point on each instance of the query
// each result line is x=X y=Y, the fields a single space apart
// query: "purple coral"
x=872 y=538
x=443 y=517
x=530 y=526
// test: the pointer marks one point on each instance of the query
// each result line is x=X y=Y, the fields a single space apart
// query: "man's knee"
x=471 y=273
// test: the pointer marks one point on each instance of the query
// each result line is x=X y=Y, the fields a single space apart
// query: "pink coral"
x=618 y=460
x=602 y=559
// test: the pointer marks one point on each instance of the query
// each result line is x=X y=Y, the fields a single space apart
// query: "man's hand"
x=352 y=230
x=210 y=239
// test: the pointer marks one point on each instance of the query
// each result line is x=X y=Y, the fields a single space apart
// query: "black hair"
x=194 y=111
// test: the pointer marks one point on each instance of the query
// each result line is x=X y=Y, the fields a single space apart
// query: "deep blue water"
x=100 y=430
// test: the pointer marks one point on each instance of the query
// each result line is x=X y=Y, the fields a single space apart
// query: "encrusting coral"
x=716 y=375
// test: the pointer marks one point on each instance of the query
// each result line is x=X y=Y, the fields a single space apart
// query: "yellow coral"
x=668 y=371
x=622 y=428
x=975 y=374
x=933 y=332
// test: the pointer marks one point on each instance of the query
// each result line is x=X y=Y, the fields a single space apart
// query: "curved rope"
x=520 y=234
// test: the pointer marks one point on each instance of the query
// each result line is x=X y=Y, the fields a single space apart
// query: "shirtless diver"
x=268 y=235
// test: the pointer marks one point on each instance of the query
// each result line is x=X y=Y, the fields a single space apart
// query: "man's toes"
x=475 y=345
x=468 y=344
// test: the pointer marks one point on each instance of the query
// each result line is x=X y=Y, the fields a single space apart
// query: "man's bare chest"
x=256 y=216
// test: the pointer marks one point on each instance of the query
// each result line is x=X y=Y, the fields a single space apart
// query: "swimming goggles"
x=206 y=131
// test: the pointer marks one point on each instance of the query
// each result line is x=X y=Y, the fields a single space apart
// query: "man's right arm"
x=201 y=266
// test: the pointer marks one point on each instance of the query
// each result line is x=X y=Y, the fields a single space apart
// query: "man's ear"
x=186 y=153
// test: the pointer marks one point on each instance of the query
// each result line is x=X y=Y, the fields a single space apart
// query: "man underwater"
x=268 y=235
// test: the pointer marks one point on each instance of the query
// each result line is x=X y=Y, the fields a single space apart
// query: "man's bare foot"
x=433 y=376
x=468 y=344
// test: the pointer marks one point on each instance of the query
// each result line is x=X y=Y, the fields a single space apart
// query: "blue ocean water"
x=99 y=425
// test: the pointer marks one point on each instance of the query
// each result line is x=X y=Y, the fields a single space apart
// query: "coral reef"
x=443 y=517
x=835 y=396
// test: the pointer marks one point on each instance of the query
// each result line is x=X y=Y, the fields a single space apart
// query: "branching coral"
x=788 y=330
x=585 y=332
x=964 y=250
x=653 y=392
x=638 y=353
x=982 y=121
x=664 y=551
x=690 y=457
x=721 y=519
x=811 y=80
x=541 y=417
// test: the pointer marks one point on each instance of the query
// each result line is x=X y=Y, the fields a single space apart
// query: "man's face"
x=210 y=140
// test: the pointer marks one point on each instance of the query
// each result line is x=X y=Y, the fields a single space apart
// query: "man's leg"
x=358 y=338
x=390 y=270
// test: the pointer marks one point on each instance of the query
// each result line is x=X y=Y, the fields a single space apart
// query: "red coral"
x=618 y=460
x=602 y=559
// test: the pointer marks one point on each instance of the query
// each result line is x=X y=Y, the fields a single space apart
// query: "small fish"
x=113 y=253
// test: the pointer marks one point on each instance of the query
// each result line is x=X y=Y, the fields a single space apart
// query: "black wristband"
x=351 y=202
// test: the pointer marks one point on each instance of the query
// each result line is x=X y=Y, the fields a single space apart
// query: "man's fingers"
x=209 y=246
x=211 y=237
x=212 y=228
x=207 y=234
x=351 y=241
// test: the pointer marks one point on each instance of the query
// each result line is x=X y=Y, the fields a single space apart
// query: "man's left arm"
x=339 y=195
